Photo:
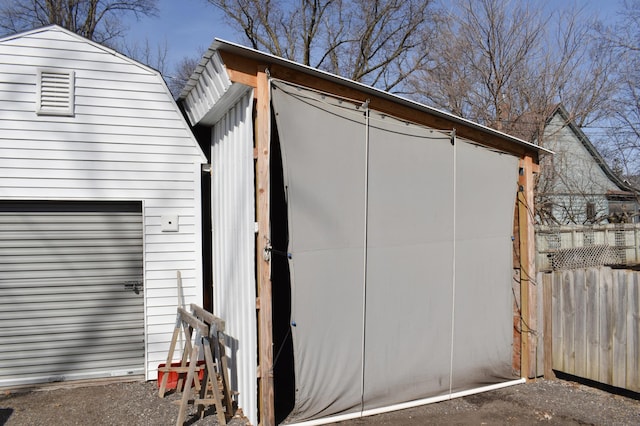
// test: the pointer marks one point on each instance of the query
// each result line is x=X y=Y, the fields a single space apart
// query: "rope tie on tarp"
x=269 y=250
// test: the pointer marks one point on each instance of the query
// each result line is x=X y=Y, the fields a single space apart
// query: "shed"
x=99 y=208
x=363 y=244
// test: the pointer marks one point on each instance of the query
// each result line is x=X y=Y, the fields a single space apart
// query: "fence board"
x=557 y=320
x=580 y=329
x=592 y=323
x=568 y=320
x=547 y=321
x=633 y=334
x=540 y=335
x=619 y=338
x=605 y=374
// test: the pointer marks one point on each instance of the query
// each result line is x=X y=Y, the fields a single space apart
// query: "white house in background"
x=576 y=185
x=99 y=208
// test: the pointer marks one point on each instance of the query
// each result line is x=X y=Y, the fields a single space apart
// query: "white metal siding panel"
x=126 y=141
x=233 y=211
x=209 y=89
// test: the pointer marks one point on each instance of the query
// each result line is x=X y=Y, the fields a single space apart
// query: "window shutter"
x=55 y=92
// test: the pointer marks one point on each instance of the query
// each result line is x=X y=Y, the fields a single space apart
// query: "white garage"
x=100 y=210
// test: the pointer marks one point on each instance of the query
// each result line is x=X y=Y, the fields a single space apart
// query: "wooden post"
x=527 y=268
x=265 y=332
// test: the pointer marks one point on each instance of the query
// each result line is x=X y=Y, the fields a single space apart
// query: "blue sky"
x=189 y=26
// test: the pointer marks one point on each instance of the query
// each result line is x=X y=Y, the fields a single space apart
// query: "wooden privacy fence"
x=595 y=324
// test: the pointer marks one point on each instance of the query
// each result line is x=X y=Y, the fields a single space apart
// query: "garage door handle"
x=135 y=286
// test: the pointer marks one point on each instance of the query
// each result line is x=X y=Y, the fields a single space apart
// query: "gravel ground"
x=120 y=403
x=554 y=402
x=137 y=403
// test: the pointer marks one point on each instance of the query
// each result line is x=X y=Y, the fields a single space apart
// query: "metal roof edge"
x=109 y=50
x=223 y=45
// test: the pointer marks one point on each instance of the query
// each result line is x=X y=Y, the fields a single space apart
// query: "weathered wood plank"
x=556 y=302
x=265 y=325
x=619 y=338
x=633 y=334
x=568 y=321
x=592 y=312
x=547 y=321
x=605 y=370
x=540 y=325
x=580 y=329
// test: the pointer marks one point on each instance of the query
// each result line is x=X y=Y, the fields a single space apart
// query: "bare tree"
x=508 y=64
x=153 y=56
x=621 y=145
x=377 y=42
x=181 y=74
x=98 y=20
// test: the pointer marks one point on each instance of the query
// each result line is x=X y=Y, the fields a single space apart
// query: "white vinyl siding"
x=127 y=141
x=580 y=178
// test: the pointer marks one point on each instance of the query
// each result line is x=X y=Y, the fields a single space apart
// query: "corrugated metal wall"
x=233 y=211
x=71 y=281
x=211 y=86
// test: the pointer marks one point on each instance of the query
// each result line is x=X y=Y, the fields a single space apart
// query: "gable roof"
x=213 y=63
x=561 y=111
x=71 y=34
x=51 y=45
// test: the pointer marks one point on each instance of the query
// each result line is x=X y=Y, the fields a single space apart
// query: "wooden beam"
x=527 y=268
x=399 y=110
x=265 y=329
x=243 y=70
x=240 y=69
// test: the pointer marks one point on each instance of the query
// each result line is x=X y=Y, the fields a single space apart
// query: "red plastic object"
x=172 y=380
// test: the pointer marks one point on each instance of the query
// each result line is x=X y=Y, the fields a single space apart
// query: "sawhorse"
x=188 y=323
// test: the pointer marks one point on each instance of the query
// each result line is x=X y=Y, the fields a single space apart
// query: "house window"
x=623 y=210
x=55 y=92
x=591 y=212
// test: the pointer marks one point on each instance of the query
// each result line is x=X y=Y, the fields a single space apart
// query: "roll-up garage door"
x=71 y=287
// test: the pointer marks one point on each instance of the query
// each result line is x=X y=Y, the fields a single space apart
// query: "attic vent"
x=55 y=92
